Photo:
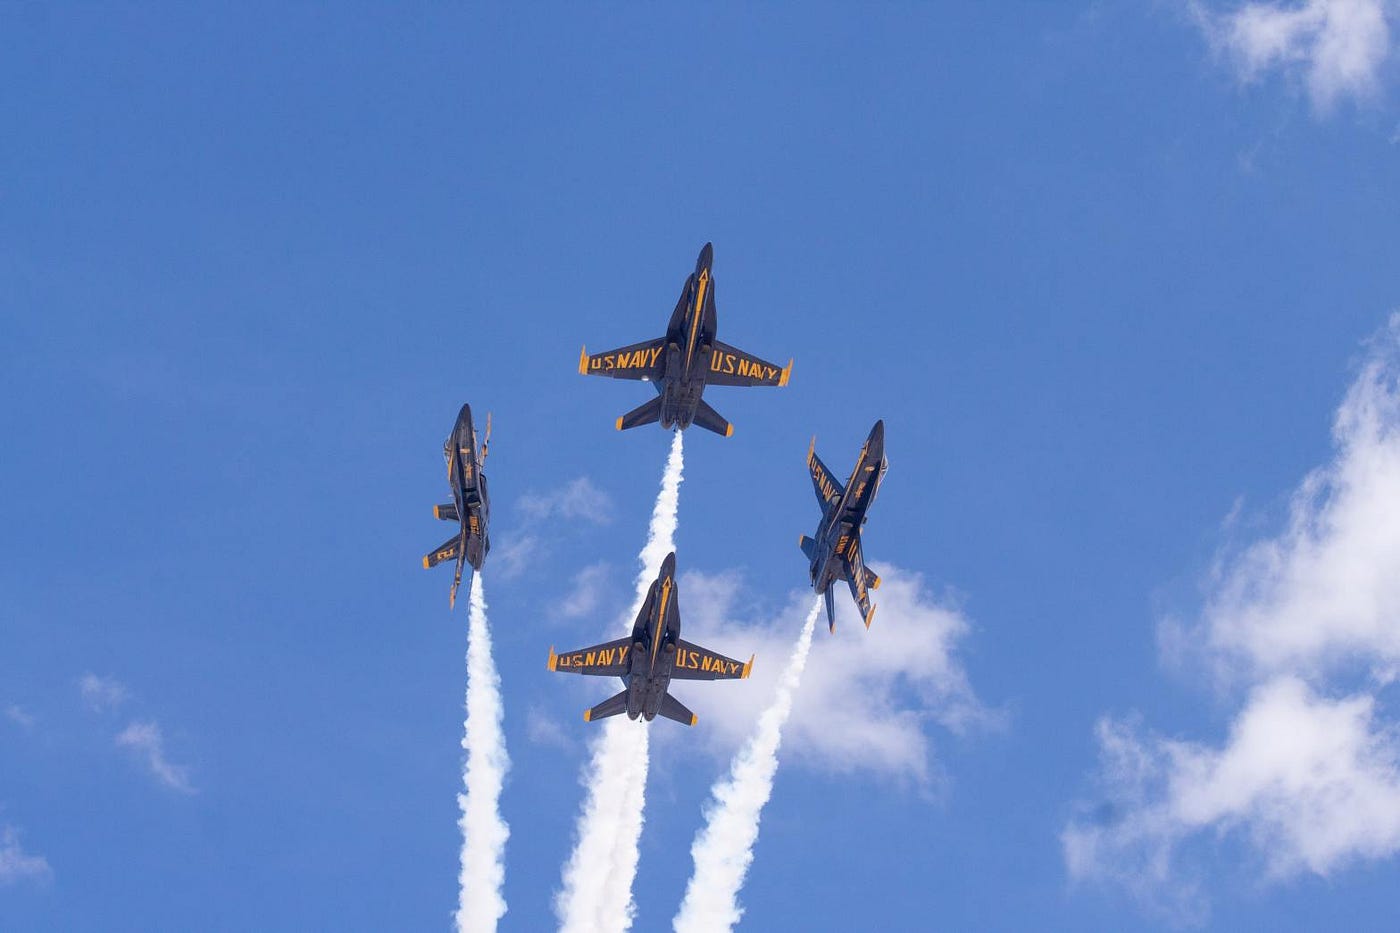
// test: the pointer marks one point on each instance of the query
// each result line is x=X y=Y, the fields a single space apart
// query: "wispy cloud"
x=868 y=699
x=102 y=693
x=589 y=584
x=1336 y=47
x=578 y=500
x=1308 y=621
x=544 y=729
x=17 y=715
x=18 y=865
x=145 y=740
x=509 y=561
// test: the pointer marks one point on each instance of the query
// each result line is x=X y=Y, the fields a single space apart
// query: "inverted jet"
x=685 y=360
x=836 y=552
x=471 y=503
x=650 y=658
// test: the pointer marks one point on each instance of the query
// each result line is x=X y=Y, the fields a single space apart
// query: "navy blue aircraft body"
x=471 y=502
x=650 y=658
x=685 y=360
x=836 y=552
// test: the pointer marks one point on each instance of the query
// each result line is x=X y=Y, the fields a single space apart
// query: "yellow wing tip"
x=588 y=715
x=729 y=430
x=875 y=585
x=553 y=659
x=748 y=668
x=583 y=361
x=426 y=565
x=870 y=617
x=619 y=424
x=693 y=719
x=787 y=373
x=812 y=447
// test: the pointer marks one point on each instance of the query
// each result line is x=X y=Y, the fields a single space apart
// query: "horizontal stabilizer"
x=872 y=579
x=711 y=420
x=809 y=547
x=447 y=551
x=446 y=513
x=610 y=707
x=642 y=414
x=672 y=708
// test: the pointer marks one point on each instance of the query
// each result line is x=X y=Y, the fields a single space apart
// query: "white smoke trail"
x=723 y=850
x=597 y=880
x=484 y=832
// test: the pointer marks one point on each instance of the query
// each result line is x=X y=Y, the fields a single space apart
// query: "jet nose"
x=668 y=566
x=706 y=258
x=464 y=420
x=877 y=433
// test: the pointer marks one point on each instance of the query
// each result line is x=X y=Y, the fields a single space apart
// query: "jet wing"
x=606 y=660
x=827 y=486
x=637 y=361
x=861 y=579
x=696 y=663
x=730 y=366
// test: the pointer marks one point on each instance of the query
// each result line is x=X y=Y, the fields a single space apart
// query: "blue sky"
x=1110 y=272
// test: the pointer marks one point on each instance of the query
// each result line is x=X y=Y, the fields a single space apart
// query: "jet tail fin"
x=642 y=414
x=446 y=513
x=672 y=708
x=809 y=547
x=830 y=612
x=610 y=707
x=711 y=420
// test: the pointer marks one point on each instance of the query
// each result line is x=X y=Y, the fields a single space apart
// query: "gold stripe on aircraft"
x=699 y=310
x=661 y=617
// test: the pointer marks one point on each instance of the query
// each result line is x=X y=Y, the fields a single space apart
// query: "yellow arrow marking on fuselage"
x=660 y=617
x=699 y=310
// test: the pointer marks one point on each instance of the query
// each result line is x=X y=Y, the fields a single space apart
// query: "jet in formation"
x=471 y=503
x=650 y=658
x=684 y=361
x=836 y=552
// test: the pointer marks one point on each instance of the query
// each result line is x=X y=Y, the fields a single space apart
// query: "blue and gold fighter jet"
x=650 y=658
x=684 y=361
x=471 y=503
x=836 y=553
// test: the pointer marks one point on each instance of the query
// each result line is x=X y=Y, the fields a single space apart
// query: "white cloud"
x=17 y=865
x=510 y=561
x=1338 y=47
x=577 y=500
x=867 y=698
x=1311 y=783
x=144 y=739
x=1326 y=591
x=544 y=729
x=1309 y=775
x=17 y=715
x=102 y=693
x=590 y=584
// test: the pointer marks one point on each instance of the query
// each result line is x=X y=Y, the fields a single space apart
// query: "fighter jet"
x=685 y=360
x=471 y=503
x=650 y=658
x=836 y=553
